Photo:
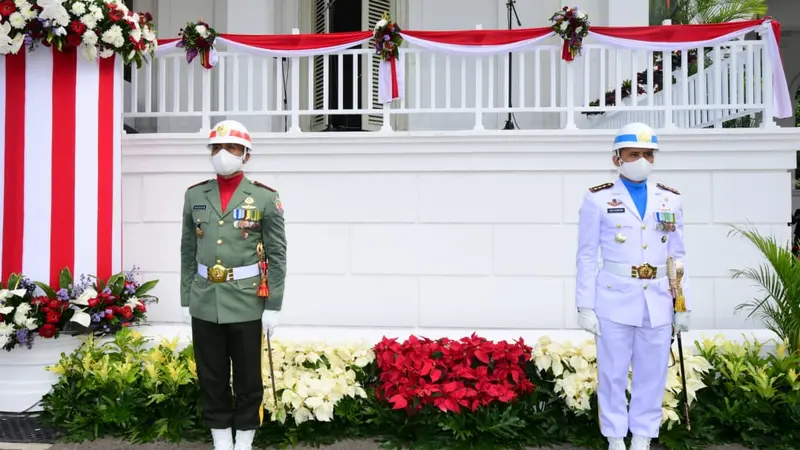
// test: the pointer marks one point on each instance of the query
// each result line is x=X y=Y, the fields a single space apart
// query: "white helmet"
x=230 y=132
x=635 y=135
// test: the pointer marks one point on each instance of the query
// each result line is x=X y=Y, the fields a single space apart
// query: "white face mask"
x=226 y=164
x=637 y=170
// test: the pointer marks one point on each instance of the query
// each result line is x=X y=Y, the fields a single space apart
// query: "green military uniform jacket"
x=209 y=237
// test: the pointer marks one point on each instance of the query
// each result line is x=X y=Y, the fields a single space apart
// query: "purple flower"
x=24 y=337
x=97 y=317
x=62 y=294
x=106 y=290
x=386 y=37
x=191 y=54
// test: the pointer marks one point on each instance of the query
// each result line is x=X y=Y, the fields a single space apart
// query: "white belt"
x=644 y=271
x=226 y=274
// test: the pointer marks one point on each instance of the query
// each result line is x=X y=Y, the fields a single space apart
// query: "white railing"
x=308 y=93
x=703 y=86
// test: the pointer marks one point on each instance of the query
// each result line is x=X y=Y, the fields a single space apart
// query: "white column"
x=626 y=13
x=249 y=17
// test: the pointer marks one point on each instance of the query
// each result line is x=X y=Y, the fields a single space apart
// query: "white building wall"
x=457 y=232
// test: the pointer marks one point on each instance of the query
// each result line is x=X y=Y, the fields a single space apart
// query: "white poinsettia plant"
x=92 y=27
x=312 y=378
x=574 y=369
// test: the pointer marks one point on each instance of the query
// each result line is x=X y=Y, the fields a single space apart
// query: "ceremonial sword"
x=272 y=372
x=675 y=289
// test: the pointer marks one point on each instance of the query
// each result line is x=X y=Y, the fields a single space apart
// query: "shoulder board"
x=259 y=184
x=601 y=187
x=199 y=184
x=667 y=188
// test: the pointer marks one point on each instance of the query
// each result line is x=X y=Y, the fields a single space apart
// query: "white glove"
x=187 y=317
x=587 y=319
x=269 y=321
x=681 y=321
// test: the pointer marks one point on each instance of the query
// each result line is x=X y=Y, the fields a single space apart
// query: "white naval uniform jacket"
x=623 y=239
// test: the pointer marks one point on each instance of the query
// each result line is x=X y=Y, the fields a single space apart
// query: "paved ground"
x=110 y=444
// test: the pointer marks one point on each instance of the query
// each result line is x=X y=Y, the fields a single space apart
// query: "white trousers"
x=646 y=349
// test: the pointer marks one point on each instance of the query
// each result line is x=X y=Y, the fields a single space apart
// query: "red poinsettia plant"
x=451 y=375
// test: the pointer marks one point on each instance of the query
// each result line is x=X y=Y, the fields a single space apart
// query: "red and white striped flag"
x=60 y=130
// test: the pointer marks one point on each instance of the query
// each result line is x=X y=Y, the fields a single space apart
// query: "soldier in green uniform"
x=233 y=266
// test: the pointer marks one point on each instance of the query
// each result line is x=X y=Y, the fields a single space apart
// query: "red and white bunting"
x=60 y=165
x=495 y=42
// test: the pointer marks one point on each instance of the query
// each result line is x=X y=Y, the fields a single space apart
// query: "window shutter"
x=321 y=21
x=373 y=11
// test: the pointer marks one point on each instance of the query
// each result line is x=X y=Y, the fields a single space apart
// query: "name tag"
x=615 y=210
x=196 y=207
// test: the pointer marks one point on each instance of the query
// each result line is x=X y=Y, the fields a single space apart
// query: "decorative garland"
x=93 y=27
x=387 y=38
x=572 y=25
x=197 y=38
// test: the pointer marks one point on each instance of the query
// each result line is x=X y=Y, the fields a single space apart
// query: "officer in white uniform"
x=635 y=225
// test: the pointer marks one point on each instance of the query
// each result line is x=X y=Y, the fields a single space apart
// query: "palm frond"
x=778 y=279
x=718 y=11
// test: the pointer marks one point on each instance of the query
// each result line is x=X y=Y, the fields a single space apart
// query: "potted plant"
x=778 y=279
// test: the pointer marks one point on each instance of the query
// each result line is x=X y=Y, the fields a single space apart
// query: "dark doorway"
x=345 y=15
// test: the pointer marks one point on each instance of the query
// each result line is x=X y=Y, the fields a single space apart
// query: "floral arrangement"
x=22 y=314
x=93 y=27
x=451 y=375
x=197 y=38
x=143 y=390
x=312 y=379
x=100 y=306
x=388 y=40
x=572 y=25
x=28 y=308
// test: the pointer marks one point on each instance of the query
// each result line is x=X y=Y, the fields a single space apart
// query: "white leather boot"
x=616 y=444
x=223 y=439
x=244 y=439
x=640 y=443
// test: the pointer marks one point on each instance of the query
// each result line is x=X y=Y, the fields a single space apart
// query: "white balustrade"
x=731 y=80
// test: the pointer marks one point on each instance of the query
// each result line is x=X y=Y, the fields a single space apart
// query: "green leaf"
x=146 y=287
x=48 y=291
x=778 y=279
x=65 y=278
x=13 y=281
x=117 y=283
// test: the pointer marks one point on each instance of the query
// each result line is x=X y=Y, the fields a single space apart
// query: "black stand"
x=796 y=222
x=511 y=121
x=285 y=72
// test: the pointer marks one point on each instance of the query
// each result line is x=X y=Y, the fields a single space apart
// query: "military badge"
x=665 y=221
x=614 y=202
x=278 y=205
x=222 y=130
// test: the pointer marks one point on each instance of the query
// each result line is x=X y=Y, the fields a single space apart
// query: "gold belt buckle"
x=218 y=273
x=644 y=272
